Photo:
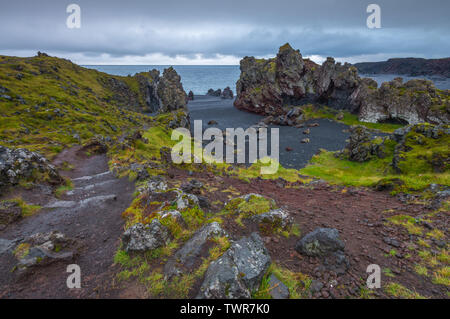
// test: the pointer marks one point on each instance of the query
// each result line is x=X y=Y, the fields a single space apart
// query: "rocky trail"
x=89 y=214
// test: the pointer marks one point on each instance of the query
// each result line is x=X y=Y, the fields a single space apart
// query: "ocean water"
x=200 y=78
x=196 y=78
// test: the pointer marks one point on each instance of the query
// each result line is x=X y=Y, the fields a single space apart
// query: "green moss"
x=61 y=190
x=421 y=270
x=388 y=272
x=64 y=105
x=27 y=210
x=407 y=222
x=254 y=171
x=442 y=276
x=255 y=205
x=324 y=112
x=338 y=171
x=22 y=250
x=297 y=283
x=399 y=291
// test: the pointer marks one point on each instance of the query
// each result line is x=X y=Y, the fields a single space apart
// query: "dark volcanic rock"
x=412 y=102
x=361 y=146
x=277 y=218
x=141 y=237
x=278 y=290
x=227 y=93
x=159 y=93
x=18 y=164
x=185 y=258
x=212 y=92
x=193 y=186
x=170 y=91
x=273 y=86
x=320 y=242
x=190 y=96
x=238 y=272
x=325 y=244
x=265 y=86
x=407 y=66
x=7 y=246
x=42 y=249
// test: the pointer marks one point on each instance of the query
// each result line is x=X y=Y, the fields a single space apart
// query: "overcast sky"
x=222 y=32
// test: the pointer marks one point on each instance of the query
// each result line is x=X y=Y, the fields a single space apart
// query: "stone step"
x=61 y=204
x=95 y=200
x=89 y=188
x=79 y=181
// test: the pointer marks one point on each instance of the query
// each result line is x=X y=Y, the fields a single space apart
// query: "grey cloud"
x=237 y=28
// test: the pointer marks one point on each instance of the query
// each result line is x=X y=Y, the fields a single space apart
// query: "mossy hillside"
x=51 y=104
x=420 y=161
x=338 y=171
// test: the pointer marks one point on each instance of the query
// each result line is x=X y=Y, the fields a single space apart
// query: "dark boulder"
x=212 y=92
x=277 y=289
x=193 y=186
x=325 y=244
x=184 y=260
x=227 y=93
x=22 y=164
x=141 y=237
x=320 y=242
x=238 y=272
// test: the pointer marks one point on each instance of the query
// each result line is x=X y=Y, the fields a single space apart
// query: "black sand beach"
x=328 y=135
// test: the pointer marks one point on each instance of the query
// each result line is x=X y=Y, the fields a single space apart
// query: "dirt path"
x=90 y=213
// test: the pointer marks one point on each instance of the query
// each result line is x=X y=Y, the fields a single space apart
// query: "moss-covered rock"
x=55 y=104
x=423 y=148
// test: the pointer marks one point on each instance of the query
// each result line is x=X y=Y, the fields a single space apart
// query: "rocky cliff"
x=412 y=102
x=407 y=66
x=265 y=86
x=148 y=92
x=272 y=86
